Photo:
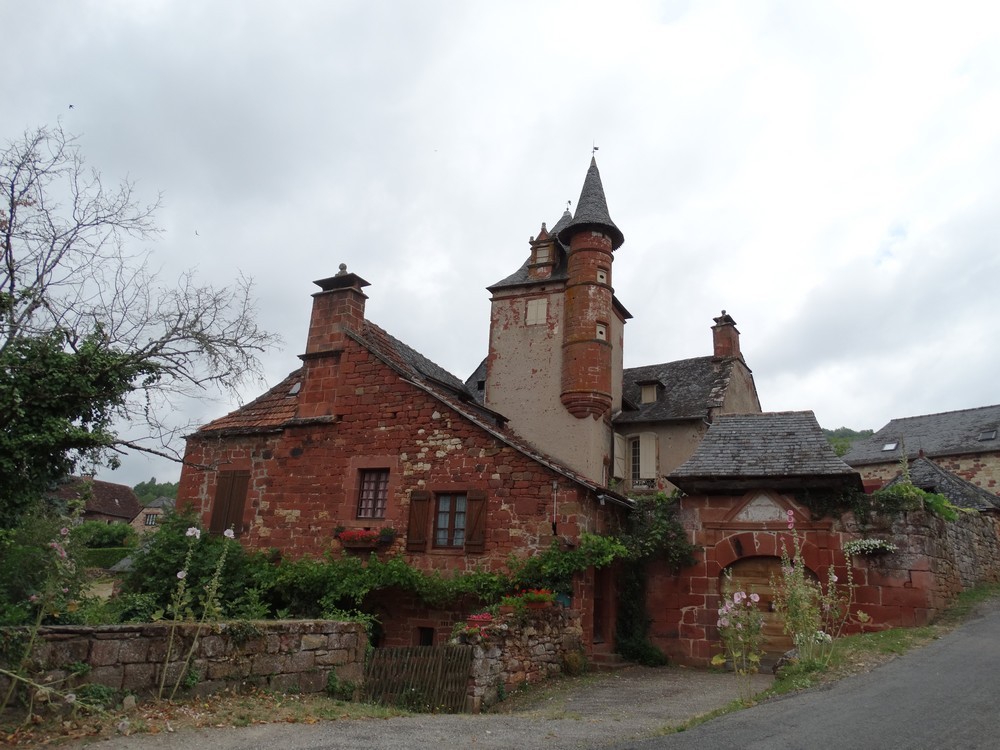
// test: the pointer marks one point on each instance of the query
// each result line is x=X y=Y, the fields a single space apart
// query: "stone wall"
x=284 y=655
x=522 y=649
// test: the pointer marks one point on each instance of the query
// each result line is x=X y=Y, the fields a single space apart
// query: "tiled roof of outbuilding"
x=930 y=477
x=691 y=387
x=946 y=434
x=102 y=498
x=780 y=449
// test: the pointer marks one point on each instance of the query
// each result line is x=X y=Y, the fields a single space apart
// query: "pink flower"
x=723 y=622
x=64 y=531
x=33 y=598
x=738 y=597
x=182 y=574
x=193 y=531
x=754 y=598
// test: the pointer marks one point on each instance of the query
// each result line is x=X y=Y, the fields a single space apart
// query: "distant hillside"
x=844 y=437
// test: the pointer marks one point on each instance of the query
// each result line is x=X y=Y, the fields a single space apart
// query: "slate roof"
x=592 y=210
x=472 y=382
x=930 y=477
x=691 y=388
x=783 y=450
x=276 y=409
x=946 y=434
x=102 y=498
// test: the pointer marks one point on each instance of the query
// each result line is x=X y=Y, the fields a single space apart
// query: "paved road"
x=944 y=696
x=632 y=703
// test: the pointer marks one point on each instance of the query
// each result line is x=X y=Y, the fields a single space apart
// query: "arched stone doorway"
x=754 y=575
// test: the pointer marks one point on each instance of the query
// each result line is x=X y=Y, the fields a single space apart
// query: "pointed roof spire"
x=592 y=210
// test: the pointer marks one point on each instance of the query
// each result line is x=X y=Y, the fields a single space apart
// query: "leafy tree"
x=149 y=491
x=844 y=437
x=90 y=338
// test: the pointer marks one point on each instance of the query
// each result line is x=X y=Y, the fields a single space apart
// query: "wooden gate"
x=420 y=678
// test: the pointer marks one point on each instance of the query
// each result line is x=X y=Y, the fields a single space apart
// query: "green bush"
x=97 y=534
x=156 y=562
x=103 y=558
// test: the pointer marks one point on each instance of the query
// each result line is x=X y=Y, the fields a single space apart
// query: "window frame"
x=373 y=493
x=451 y=540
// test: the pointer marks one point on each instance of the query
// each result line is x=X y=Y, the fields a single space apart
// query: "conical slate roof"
x=592 y=211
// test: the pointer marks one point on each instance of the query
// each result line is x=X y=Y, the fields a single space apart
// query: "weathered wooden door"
x=754 y=575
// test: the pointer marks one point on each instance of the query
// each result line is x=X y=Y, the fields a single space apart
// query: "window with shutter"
x=416 y=532
x=619 y=463
x=230 y=502
x=475 y=538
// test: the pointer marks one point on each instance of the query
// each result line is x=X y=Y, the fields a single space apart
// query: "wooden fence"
x=420 y=678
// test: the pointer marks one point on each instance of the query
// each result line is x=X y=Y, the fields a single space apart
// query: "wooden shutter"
x=619 y=463
x=647 y=455
x=475 y=524
x=416 y=532
x=230 y=501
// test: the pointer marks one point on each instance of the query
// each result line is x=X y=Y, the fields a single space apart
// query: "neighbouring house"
x=103 y=501
x=964 y=442
x=148 y=519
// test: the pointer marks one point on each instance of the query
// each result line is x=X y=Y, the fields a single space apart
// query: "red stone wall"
x=935 y=561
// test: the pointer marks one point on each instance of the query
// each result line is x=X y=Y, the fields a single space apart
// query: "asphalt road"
x=946 y=695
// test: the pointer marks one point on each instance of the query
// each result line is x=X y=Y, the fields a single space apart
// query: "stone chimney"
x=725 y=337
x=339 y=307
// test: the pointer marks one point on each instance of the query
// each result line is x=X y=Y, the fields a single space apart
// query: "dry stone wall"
x=520 y=649
x=283 y=655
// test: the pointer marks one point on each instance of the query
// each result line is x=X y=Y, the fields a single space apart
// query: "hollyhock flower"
x=182 y=574
x=833 y=577
x=229 y=534
x=193 y=531
x=64 y=531
x=723 y=622
x=738 y=597
x=754 y=598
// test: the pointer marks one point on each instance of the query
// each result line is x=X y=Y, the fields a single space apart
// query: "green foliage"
x=103 y=558
x=161 y=556
x=95 y=534
x=338 y=689
x=151 y=490
x=57 y=405
x=555 y=567
x=37 y=574
x=653 y=532
x=843 y=438
x=632 y=629
x=96 y=696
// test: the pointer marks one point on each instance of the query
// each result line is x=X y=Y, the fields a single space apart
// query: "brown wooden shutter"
x=230 y=501
x=475 y=531
x=416 y=533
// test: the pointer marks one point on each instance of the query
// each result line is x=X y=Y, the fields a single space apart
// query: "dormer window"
x=649 y=393
x=988 y=435
x=543 y=254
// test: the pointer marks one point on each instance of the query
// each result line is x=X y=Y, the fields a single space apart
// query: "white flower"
x=182 y=574
x=229 y=534
x=754 y=598
x=194 y=531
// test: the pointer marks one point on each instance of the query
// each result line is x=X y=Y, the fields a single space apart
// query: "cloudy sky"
x=827 y=172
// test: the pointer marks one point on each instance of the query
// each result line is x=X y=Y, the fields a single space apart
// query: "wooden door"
x=753 y=575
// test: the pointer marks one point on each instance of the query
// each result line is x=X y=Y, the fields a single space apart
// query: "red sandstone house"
x=544 y=442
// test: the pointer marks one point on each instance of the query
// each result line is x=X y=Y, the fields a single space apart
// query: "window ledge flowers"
x=365 y=538
x=868 y=547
